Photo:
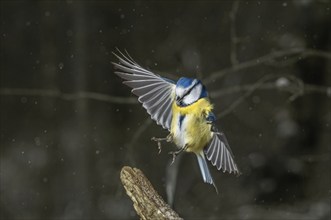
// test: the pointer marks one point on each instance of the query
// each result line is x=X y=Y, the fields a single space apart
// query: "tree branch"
x=291 y=84
x=307 y=89
x=146 y=201
x=68 y=96
x=270 y=59
x=250 y=90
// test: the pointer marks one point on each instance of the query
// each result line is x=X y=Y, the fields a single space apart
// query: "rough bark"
x=146 y=201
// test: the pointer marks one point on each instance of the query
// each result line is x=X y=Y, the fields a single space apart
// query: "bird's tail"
x=206 y=175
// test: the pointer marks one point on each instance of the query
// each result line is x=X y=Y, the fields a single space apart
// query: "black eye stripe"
x=189 y=91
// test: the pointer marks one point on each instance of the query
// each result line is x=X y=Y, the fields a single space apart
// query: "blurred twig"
x=296 y=87
x=289 y=83
x=307 y=89
x=171 y=178
x=280 y=58
x=146 y=201
x=243 y=97
x=130 y=146
x=68 y=96
x=233 y=36
x=270 y=59
x=313 y=158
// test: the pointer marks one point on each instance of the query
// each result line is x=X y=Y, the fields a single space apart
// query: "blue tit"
x=184 y=109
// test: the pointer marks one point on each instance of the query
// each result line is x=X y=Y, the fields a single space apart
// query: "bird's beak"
x=179 y=100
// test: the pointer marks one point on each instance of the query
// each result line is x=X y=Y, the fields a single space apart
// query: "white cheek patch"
x=188 y=100
x=196 y=91
x=179 y=91
x=193 y=96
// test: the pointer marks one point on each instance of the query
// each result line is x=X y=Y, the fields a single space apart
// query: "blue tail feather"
x=206 y=175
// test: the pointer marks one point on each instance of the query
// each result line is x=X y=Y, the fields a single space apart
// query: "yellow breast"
x=189 y=126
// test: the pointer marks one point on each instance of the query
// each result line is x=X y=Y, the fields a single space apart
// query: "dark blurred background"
x=68 y=124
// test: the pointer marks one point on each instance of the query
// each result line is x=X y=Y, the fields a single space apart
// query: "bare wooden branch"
x=146 y=201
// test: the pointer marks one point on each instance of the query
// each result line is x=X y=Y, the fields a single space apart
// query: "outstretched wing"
x=220 y=154
x=155 y=93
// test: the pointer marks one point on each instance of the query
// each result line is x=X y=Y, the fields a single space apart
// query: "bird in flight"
x=184 y=109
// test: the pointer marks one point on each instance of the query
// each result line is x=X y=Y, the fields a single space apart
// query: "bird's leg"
x=158 y=140
x=175 y=153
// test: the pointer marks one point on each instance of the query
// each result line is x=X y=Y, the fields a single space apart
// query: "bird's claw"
x=159 y=147
x=174 y=155
x=158 y=140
